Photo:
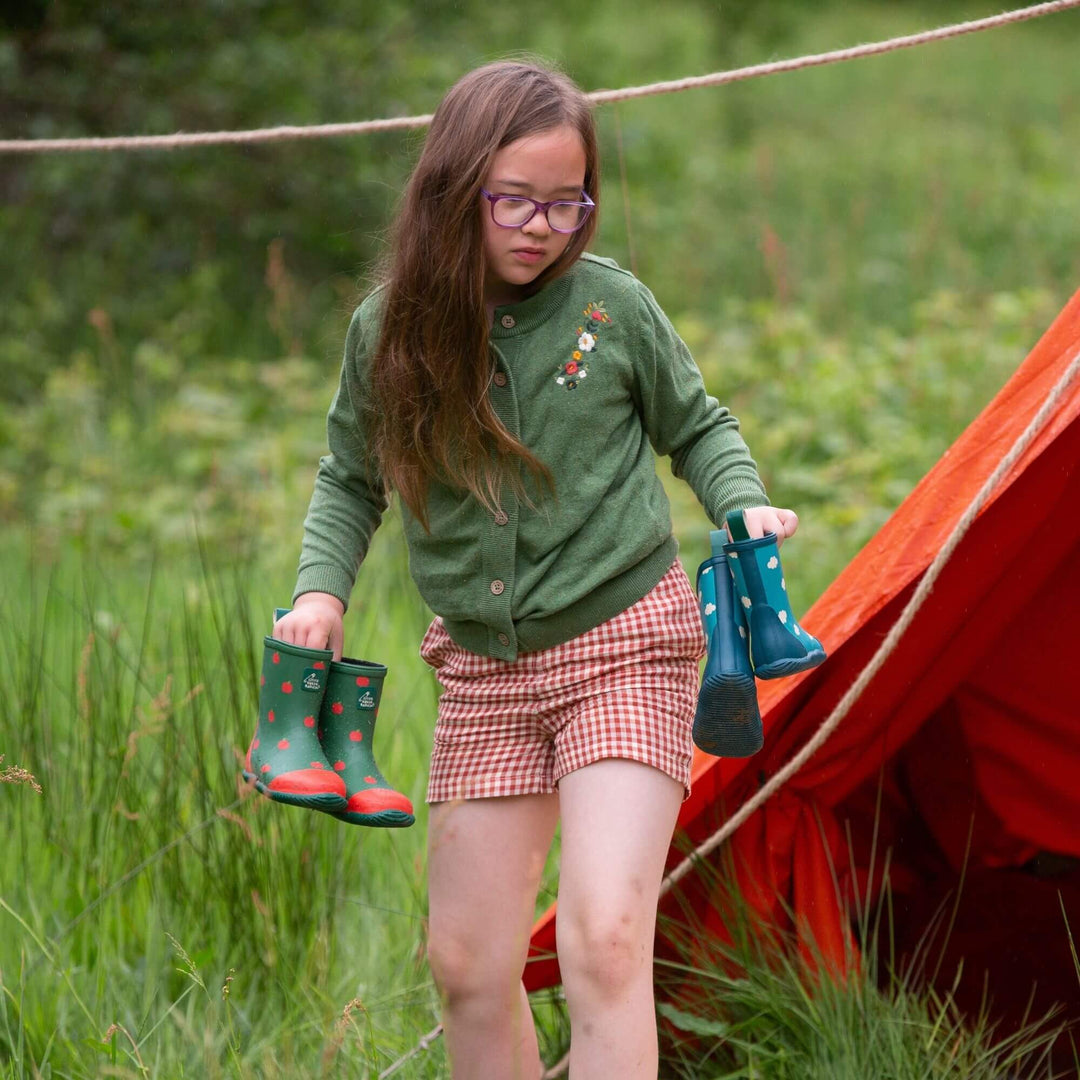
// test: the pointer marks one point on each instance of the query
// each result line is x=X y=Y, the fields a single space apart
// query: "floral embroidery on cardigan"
x=570 y=373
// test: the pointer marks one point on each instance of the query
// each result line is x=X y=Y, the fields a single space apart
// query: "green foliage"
x=828 y=242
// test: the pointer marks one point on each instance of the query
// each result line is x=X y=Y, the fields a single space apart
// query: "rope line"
x=597 y=97
x=836 y=55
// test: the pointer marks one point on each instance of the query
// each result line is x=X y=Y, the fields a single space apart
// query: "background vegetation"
x=859 y=256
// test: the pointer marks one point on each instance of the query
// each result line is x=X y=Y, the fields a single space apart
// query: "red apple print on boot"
x=309 y=721
x=337 y=708
x=286 y=687
x=356 y=736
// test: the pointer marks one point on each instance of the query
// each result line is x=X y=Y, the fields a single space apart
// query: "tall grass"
x=146 y=892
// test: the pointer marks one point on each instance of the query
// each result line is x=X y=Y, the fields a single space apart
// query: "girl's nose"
x=537 y=224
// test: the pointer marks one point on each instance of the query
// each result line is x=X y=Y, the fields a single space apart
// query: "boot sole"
x=385 y=819
x=328 y=802
x=777 y=669
x=727 y=722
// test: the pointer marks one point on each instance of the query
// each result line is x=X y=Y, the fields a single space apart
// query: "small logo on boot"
x=312 y=680
x=366 y=700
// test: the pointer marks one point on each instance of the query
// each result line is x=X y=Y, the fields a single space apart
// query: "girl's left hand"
x=766 y=519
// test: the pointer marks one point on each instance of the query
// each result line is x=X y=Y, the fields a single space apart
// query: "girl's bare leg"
x=485 y=859
x=618 y=817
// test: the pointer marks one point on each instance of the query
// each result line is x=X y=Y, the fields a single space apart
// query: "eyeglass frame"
x=541 y=207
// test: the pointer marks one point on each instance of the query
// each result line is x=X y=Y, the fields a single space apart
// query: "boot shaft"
x=293 y=677
x=351 y=704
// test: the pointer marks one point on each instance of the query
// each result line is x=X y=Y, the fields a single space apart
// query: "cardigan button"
x=501 y=517
x=508 y=321
x=500 y=378
x=503 y=639
x=498 y=587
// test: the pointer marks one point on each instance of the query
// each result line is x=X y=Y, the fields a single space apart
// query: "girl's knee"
x=604 y=951
x=462 y=972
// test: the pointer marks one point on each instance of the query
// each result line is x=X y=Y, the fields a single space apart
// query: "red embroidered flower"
x=571 y=367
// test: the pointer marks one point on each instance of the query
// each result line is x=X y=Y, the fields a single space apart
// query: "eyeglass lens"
x=560 y=215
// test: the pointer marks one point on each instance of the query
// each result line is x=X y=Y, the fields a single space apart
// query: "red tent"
x=970 y=733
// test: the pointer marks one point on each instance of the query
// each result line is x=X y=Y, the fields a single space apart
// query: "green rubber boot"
x=285 y=759
x=347 y=731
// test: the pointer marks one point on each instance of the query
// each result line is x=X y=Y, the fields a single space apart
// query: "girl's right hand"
x=314 y=622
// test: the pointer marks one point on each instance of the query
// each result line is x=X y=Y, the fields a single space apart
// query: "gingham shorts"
x=625 y=689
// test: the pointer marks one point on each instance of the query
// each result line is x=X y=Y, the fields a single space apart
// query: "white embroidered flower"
x=783 y=584
x=783 y=617
x=795 y=627
x=586 y=342
x=707 y=570
x=733 y=554
x=773 y=563
x=560 y=380
x=742 y=631
x=710 y=608
x=746 y=601
x=582 y=373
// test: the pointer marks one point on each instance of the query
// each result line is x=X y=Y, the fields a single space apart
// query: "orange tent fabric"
x=973 y=724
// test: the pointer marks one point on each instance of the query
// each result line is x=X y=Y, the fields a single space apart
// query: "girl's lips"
x=529 y=255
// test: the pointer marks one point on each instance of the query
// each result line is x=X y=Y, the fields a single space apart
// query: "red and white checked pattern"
x=627 y=688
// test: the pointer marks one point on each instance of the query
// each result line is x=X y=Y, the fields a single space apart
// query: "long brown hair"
x=430 y=416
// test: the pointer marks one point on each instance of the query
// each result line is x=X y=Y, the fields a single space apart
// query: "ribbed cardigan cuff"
x=736 y=494
x=327 y=579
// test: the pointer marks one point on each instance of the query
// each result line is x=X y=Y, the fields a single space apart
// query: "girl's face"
x=548 y=165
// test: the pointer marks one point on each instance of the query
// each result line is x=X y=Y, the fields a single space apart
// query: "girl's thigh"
x=485 y=860
x=618 y=817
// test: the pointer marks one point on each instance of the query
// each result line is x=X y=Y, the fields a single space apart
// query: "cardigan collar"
x=525 y=316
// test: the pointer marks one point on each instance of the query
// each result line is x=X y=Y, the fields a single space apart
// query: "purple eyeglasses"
x=514 y=211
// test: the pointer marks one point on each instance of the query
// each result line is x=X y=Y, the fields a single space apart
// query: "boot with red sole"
x=285 y=759
x=347 y=729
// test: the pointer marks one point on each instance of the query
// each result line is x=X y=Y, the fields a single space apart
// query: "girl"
x=507 y=386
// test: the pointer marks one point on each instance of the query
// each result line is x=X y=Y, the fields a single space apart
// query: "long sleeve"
x=347 y=503
x=682 y=420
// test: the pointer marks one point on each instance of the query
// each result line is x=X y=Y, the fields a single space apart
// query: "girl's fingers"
x=770 y=519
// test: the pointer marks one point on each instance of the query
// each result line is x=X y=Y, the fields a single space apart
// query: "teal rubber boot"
x=284 y=758
x=727 y=722
x=778 y=644
x=347 y=732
